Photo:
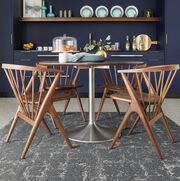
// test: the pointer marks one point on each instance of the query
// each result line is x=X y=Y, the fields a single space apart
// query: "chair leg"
x=66 y=106
x=102 y=103
x=31 y=136
x=121 y=127
x=166 y=125
x=133 y=125
x=151 y=135
x=46 y=127
x=54 y=123
x=56 y=119
x=81 y=106
x=116 y=106
x=13 y=125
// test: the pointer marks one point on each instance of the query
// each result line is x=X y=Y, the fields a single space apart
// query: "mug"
x=45 y=48
x=39 y=48
x=50 y=48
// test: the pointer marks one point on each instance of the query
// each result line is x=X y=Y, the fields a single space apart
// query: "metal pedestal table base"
x=91 y=134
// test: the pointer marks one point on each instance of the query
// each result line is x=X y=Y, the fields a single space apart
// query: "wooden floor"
x=8 y=108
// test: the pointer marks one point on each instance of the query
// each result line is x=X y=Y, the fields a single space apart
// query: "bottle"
x=127 y=45
x=60 y=13
x=43 y=9
x=65 y=14
x=69 y=13
x=134 y=44
x=90 y=38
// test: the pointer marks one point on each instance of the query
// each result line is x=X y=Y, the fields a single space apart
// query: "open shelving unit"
x=93 y=19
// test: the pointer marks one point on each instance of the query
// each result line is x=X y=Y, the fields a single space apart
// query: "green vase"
x=43 y=10
x=50 y=14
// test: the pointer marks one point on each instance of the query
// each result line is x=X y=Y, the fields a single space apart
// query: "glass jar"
x=64 y=44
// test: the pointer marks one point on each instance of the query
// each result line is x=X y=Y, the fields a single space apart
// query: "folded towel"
x=84 y=57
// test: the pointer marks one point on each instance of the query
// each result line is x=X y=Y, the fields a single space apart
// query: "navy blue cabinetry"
x=165 y=30
x=25 y=58
x=172 y=28
x=151 y=58
x=6 y=39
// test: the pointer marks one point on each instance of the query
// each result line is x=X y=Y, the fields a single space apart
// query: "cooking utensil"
x=144 y=42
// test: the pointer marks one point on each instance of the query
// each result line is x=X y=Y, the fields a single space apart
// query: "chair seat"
x=113 y=87
x=123 y=95
x=116 y=88
x=58 y=95
x=67 y=87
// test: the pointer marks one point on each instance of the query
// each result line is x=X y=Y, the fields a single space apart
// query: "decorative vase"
x=43 y=10
x=50 y=14
x=101 y=52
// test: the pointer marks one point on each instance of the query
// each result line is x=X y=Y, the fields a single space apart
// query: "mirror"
x=144 y=42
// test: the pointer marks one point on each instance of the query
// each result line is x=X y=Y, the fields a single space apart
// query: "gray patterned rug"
x=49 y=158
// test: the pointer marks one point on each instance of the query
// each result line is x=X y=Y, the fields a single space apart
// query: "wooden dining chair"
x=34 y=102
x=147 y=99
x=113 y=81
x=67 y=83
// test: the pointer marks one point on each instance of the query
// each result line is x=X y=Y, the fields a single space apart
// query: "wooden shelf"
x=94 y=19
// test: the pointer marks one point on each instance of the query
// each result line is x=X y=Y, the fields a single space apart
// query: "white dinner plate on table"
x=86 y=12
x=117 y=11
x=131 y=11
x=101 y=12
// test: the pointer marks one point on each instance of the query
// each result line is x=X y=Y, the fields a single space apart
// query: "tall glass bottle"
x=134 y=44
x=127 y=44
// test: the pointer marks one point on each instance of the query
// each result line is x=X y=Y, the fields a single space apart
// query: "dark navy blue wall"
x=172 y=28
x=6 y=35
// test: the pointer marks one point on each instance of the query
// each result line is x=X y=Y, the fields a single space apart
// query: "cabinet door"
x=173 y=40
x=6 y=51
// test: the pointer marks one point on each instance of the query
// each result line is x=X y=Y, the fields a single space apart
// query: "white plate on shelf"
x=131 y=11
x=102 y=12
x=86 y=12
x=117 y=11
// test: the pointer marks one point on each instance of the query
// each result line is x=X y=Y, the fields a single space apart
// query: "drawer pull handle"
x=127 y=56
x=154 y=60
x=47 y=55
x=25 y=60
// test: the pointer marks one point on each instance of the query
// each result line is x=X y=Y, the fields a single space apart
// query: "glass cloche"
x=64 y=44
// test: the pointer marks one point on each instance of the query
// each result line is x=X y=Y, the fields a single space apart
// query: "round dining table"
x=92 y=132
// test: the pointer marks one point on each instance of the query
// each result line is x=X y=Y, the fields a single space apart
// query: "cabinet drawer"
x=25 y=58
x=154 y=58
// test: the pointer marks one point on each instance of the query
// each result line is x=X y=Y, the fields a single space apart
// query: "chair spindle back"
x=23 y=81
x=153 y=84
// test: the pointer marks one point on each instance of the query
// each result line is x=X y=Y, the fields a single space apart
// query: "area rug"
x=49 y=158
